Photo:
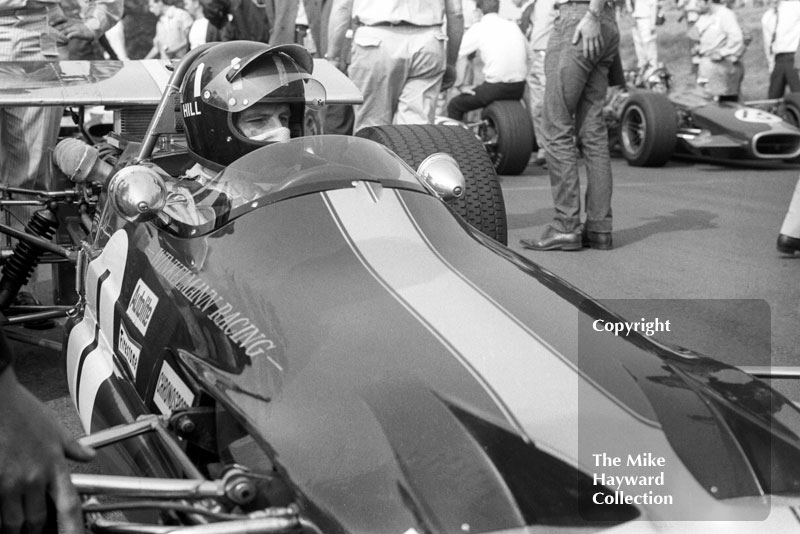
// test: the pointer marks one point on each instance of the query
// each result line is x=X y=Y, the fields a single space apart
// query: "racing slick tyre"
x=791 y=111
x=648 y=129
x=482 y=204
x=507 y=134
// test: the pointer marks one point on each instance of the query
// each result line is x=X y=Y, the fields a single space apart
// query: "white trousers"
x=399 y=71
x=644 y=41
x=791 y=223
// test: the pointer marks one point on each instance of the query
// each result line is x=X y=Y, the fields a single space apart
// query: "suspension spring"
x=19 y=267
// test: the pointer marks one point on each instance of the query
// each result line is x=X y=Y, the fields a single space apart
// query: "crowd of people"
x=401 y=54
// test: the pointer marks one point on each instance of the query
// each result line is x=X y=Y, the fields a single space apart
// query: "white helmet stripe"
x=198 y=77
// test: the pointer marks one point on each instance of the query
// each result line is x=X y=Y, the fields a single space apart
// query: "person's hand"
x=449 y=78
x=588 y=30
x=34 y=448
x=56 y=16
x=75 y=29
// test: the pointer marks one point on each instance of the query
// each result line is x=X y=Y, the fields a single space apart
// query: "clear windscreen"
x=279 y=171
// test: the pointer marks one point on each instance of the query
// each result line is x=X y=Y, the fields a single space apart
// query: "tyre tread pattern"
x=661 y=129
x=515 y=135
x=482 y=204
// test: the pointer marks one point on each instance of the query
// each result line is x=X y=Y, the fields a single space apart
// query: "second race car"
x=649 y=125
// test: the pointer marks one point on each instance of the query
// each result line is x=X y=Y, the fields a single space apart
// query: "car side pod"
x=443 y=176
x=137 y=193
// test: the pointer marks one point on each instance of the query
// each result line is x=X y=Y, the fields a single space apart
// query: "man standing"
x=28 y=33
x=644 y=13
x=90 y=20
x=502 y=49
x=781 y=30
x=581 y=49
x=172 y=30
x=537 y=18
x=720 y=46
x=401 y=57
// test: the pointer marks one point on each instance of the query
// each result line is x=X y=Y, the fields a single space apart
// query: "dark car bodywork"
x=731 y=130
x=330 y=329
x=371 y=360
x=650 y=124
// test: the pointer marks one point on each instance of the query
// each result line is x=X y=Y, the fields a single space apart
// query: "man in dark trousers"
x=503 y=50
x=781 y=29
x=580 y=52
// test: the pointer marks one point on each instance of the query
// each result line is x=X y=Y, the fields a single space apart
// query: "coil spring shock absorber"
x=19 y=267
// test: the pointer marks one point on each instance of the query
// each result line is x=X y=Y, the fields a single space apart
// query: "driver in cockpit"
x=236 y=97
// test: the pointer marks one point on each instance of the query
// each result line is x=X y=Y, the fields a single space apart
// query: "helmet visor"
x=268 y=80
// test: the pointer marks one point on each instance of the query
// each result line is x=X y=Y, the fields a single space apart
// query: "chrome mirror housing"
x=443 y=176
x=137 y=193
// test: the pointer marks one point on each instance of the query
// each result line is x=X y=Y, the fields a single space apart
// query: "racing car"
x=340 y=350
x=651 y=124
x=506 y=131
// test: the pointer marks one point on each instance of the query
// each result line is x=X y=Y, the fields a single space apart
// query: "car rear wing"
x=131 y=90
x=121 y=83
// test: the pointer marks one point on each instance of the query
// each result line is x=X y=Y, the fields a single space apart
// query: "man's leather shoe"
x=787 y=244
x=553 y=239
x=598 y=240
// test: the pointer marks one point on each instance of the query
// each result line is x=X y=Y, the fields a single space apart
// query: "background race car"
x=649 y=125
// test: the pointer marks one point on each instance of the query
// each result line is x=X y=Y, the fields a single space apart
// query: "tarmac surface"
x=700 y=233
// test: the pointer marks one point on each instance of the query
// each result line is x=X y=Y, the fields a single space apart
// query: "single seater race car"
x=506 y=131
x=651 y=126
x=335 y=348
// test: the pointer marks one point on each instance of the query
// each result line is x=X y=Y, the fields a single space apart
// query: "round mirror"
x=137 y=193
x=443 y=175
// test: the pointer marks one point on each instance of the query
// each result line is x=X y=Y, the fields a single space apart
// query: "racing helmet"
x=233 y=76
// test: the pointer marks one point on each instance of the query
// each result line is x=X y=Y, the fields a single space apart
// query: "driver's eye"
x=284 y=120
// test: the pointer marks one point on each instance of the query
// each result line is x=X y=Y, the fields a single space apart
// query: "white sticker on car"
x=172 y=393
x=141 y=307
x=129 y=349
x=756 y=115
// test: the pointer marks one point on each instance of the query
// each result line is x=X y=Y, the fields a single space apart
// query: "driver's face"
x=262 y=117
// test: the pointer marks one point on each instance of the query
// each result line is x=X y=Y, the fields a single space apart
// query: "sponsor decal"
x=128 y=349
x=756 y=116
x=142 y=305
x=239 y=329
x=190 y=109
x=171 y=393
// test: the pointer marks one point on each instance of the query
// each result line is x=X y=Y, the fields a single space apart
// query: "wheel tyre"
x=482 y=205
x=512 y=122
x=791 y=104
x=648 y=130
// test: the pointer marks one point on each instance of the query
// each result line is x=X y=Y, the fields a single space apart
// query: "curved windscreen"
x=201 y=204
